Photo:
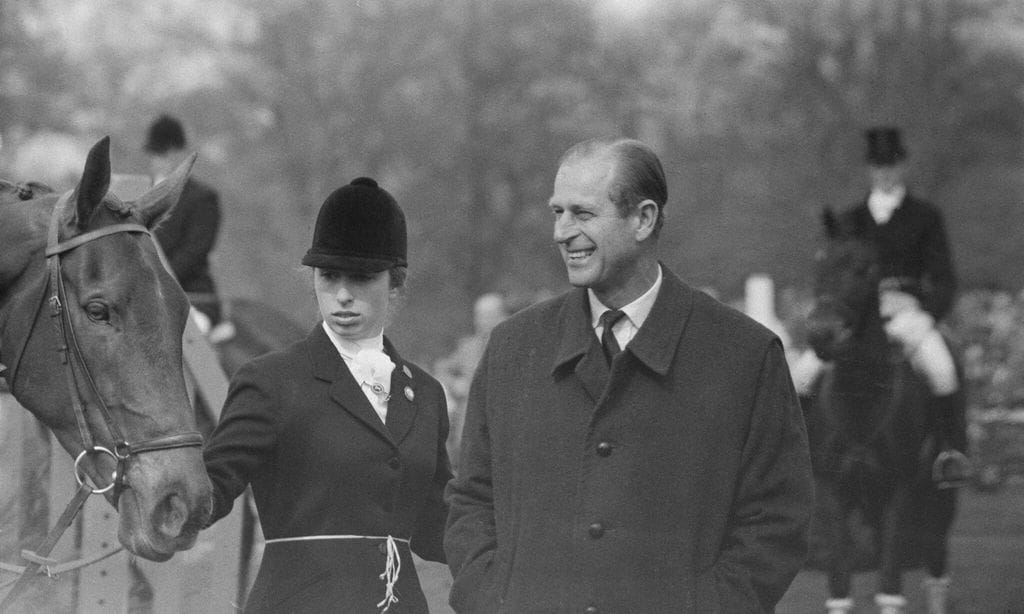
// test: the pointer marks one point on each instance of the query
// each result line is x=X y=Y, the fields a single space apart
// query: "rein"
x=71 y=355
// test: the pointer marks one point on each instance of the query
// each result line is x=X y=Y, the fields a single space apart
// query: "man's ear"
x=647 y=219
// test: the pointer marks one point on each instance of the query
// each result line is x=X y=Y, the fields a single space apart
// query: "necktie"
x=608 y=342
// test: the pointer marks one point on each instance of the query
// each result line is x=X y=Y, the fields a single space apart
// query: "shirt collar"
x=637 y=311
x=882 y=205
x=349 y=348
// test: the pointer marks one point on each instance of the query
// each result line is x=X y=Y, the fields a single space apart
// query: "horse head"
x=122 y=315
x=846 y=280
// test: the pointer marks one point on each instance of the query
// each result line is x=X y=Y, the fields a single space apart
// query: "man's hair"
x=638 y=175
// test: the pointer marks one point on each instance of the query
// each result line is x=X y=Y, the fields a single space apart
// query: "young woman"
x=342 y=440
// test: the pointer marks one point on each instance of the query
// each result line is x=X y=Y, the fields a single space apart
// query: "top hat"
x=165 y=134
x=359 y=228
x=884 y=146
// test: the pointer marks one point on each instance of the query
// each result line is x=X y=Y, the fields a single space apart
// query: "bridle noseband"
x=70 y=351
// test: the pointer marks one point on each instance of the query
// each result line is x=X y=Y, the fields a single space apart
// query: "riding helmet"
x=360 y=227
x=165 y=134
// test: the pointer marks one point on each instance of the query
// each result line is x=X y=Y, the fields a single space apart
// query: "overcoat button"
x=604 y=449
x=596 y=530
x=394 y=463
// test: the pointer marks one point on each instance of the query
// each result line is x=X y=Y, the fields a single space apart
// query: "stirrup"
x=951 y=469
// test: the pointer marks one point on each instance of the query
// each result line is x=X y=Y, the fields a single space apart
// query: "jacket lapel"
x=402 y=406
x=658 y=340
x=578 y=340
x=654 y=345
x=345 y=390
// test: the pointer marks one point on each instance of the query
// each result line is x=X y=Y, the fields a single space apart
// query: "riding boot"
x=843 y=605
x=890 y=604
x=951 y=468
x=936 y=592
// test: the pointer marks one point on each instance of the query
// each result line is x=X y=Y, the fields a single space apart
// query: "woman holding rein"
x=342 y=440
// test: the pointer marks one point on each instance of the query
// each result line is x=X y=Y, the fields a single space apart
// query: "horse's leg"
x=893 y=541
x=840 y=550
x=938 y=519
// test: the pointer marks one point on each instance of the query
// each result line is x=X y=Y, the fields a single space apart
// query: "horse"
x=871 y=435
x=91 y=327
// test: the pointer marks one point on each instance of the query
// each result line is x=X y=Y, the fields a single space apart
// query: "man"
x=670 y=476
x=188 y=236
x=917 y=289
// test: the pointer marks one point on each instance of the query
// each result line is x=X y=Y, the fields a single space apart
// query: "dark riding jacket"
x=298 y=428
x=187 y=236
x=913 y=248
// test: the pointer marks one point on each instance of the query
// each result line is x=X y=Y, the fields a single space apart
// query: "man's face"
x=600 y=248
x=886 y=178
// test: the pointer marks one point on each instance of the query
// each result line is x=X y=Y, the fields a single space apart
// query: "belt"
x=391 y=568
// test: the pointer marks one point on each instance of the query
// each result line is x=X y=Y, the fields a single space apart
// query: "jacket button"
x=604 y=449
x=596 y=530
x=394 y=463
x=591 y=609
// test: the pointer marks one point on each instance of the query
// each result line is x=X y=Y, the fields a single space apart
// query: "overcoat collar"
x=654 y=345
x=329 y=366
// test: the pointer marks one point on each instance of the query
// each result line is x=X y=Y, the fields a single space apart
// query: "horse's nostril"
x=171 y=516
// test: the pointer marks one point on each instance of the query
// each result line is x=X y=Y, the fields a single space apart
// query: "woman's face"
x=354 y=304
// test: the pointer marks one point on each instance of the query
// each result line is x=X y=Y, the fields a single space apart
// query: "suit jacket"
x=679 y=482
x=298 y=428
x=188 y=234
x=913 y=247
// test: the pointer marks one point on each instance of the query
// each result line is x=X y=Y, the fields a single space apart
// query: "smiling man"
x=631 y=445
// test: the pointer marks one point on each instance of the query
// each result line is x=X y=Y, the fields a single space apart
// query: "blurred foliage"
x=462 y=109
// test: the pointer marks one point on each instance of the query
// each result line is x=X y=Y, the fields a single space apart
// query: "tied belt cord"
x=392 y=567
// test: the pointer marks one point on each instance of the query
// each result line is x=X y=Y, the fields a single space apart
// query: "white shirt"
x=366 y=360
x=636 y=313
x=883 y=204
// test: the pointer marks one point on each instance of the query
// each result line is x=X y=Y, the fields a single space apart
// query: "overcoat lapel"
x=578 y=342
x=402 y=405
x=345 y=390
x=655 y=344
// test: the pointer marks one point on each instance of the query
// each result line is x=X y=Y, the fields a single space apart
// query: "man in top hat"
x=188 y=236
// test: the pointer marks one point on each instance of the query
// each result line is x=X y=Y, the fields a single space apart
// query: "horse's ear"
x=831 y=224
x=94 y=183
x=152 y=205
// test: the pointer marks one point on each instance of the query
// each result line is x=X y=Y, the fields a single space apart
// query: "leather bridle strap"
x=71 y=352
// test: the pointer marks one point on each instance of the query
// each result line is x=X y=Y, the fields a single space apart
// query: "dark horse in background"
x=871 y=436
x=79 y=273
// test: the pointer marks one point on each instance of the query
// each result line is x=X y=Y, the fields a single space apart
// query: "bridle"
x=71 y=352
x=71 y=356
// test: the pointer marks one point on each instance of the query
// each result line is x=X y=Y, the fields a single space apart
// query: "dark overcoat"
x=188 y=235
x=912 y=247
x=298 y=428
x=681 y=483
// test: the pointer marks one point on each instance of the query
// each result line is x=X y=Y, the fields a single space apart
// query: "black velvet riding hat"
x=164 y=134
x=359 y=228
x=884 y=146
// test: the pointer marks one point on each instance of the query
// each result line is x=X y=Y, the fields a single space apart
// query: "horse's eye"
x=97 y=311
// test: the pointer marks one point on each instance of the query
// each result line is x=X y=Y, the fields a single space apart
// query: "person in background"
x=456 y=370
x=915 y=294
x=632 y=445
x=341 y=439
x=188 y=236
